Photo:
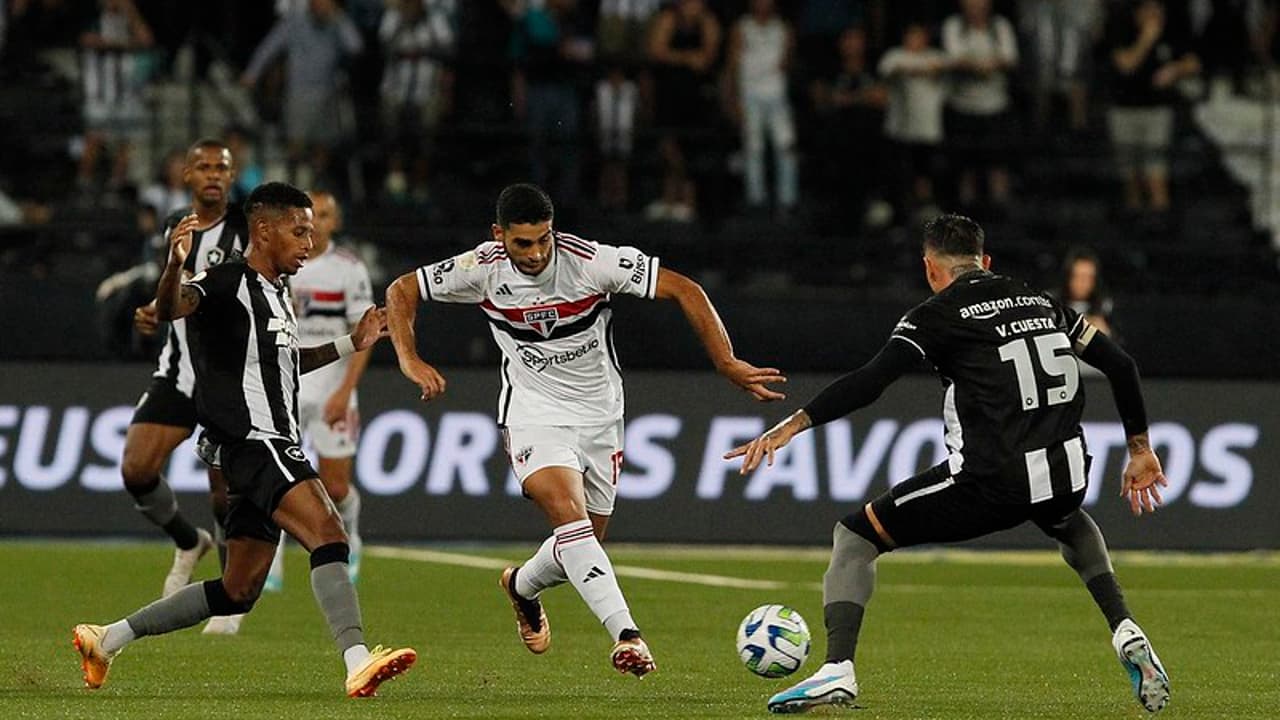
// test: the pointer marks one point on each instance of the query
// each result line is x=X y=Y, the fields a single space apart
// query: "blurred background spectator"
x=1083 y=290
x=315 y=40
x=418 y=38
x=983 y=50
x=684 y=46
x=168 y=192
x=114 y=71
x=850 y=107
x=415 y=111
x=915 y=72
x=761 y=46
x=1150 y=55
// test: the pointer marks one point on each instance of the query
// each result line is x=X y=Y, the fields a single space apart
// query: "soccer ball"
x=773 y=641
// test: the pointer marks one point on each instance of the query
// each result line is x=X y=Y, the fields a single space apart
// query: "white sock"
x=277 y=562
x=540 y=572
x=118 y=634
x=353 y=656
x=592 y=576
x=844 y=667
x=349 y=509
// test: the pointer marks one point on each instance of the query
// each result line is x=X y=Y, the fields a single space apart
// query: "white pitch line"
x=486 y=563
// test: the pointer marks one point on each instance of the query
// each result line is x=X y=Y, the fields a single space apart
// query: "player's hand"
x=754 y=380
x=766 y=445
x=1165 y=76
x=427 y=378
x=336 y=407
x=371 y=328
x=1143 y=478
x=145 y=320
x=180 y=240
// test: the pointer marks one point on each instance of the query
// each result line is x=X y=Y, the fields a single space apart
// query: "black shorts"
x=937 y=507
x=163 y=404
x=258 y=474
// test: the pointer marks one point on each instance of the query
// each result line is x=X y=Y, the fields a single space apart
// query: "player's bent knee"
x=334 y=552
x=235 y=601
x=141 y=474
x=860 y=523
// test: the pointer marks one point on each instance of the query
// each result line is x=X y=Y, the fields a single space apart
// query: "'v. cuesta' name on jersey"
x=558 y=365
x=1012 y=382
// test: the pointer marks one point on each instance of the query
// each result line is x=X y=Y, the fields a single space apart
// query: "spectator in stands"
x=761 y=45
x=168 y=192
x=418 y=38
x=22 y=212
x=915 y=72
x=550 y=49
x=1149 y=56
x=1083 y=290
x=249 y=172
x=850 y=107
x=684 y=46
x=623 y=28
x=617 y=99
x=983 y=51
x=314 y=40
x=1061 y=35
x=113 y=74
x=821 y=24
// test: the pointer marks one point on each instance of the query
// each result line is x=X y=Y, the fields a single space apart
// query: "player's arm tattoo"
x=1139 y=444
x=313 y=358
x=174 y=298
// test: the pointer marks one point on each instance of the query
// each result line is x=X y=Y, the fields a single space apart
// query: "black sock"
x=844 y=621
x=629 y=634
x=183 y=533
x=1110 y=599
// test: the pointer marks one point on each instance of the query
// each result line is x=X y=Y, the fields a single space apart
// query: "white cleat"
x=1150 y=681
x=833 y=684
x=184 y=563
x=223 y=625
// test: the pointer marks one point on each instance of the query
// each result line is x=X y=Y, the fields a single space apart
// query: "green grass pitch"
x=946 y=636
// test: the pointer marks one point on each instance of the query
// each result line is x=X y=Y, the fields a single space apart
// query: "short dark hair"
x=275 y=196
x=953 y=236
x=208 y=143
x=524 y=203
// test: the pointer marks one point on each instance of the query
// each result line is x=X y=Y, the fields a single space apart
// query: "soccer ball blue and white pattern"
x=773 y=641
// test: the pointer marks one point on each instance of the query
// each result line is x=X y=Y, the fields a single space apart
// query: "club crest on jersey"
x=542 y=319
x=214 y=256
x=523 y=455
x=295 y=453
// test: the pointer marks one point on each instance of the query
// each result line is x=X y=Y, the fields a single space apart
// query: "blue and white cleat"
x=1150 y=681
x=833 y=684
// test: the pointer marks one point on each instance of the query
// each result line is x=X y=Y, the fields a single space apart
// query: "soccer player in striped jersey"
x=547 y=295
x=1008 y=358
x=330 y=295
x=244 y=342
x=166 y=413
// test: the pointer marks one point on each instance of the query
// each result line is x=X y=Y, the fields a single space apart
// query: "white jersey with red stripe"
x=554 y=329
x=330 y=293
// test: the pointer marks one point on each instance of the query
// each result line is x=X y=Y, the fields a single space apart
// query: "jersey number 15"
x=1054 y=353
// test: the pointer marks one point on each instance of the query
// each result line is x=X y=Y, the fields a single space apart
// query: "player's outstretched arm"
x=1143 y=475
x=706 y=323
x=173 y=298
x=851 y=392
x=371 y=328
x=402 y=311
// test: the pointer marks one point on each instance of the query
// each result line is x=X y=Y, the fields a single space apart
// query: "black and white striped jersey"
x=244 y=348
x=1013 y=401
x=209 y=247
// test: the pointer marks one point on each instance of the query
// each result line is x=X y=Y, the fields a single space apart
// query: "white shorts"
x=337 y=441
x=593 y=450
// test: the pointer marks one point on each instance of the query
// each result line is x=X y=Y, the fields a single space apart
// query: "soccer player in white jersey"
x=330 y=294
x=546 y=295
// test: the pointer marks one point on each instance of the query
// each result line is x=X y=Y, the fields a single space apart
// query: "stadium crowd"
x=821 y=119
